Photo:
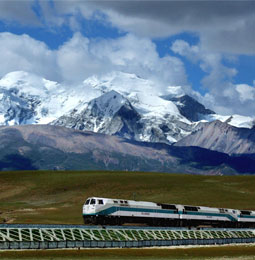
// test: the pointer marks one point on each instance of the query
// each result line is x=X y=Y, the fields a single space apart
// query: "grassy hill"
x=57 y=197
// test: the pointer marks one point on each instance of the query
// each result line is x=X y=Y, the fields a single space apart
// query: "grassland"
x=56 y=197
x=215 y=253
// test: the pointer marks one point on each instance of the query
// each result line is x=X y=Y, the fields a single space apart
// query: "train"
x=106 y=211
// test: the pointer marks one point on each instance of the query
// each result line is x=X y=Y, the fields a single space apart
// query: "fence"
x=47 y=238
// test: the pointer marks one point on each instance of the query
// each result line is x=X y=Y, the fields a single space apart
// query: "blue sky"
x=205 y=46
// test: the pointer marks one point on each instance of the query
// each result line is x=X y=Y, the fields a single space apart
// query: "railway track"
x=21 y=236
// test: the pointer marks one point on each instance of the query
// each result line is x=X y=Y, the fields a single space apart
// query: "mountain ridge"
x=222 y=137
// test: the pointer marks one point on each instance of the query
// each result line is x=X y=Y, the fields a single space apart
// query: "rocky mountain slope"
x=110 y=114
x=222 y=137
x=32 y=147
x=190 y=108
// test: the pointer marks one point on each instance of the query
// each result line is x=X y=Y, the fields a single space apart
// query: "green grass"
x=215 y=253
x=57 y=197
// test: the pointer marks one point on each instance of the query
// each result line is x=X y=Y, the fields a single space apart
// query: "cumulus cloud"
x=139 y=55
x=80 y=57
x=183 y=48
x=247 y=93
x=21 y=52
x=76 y=62
x=225 y=26
x=223 y=95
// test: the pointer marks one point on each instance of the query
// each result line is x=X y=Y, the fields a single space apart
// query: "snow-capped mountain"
x=144 y=117
x=117 y=103
x=26 y=98
x=110 y=114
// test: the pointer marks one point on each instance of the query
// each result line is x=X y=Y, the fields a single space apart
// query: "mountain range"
x=123 y=106
x=36 y=147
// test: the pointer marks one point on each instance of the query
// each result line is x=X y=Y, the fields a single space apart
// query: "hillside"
x=46 y=147
x=222 y=137
x=57 y=197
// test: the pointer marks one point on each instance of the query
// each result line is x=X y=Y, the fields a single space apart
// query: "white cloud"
x=184 y=49
x=246 y=92
x=79 y=58
x=76 y=62
x=139 y=55
x=223 y=95
x=223 y=26
x=21 y=52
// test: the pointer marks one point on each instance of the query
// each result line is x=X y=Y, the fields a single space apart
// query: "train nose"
x=88 y=209
x=85 y=209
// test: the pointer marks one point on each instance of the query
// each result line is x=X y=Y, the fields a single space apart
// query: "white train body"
x=117 y=211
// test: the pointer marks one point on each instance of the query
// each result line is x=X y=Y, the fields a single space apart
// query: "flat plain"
x=56 y=197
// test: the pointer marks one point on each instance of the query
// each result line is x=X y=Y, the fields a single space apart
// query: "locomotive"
x=106 y=211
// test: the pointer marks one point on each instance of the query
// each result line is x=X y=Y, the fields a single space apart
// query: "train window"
x=245 y=212
x=92 y=202
x=100 y=202
x=87 y=202
x=221 y=210
x=121 y=201
x=168 y=206
x=126 y=201
x=115 y=201
x=190 y=208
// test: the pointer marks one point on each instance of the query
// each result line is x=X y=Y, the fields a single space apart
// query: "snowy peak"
x=123 y=83
x=143 y=94
x=28 y=83
x=109 y=103
x=189 y=107
x=26 y=98
x=110 y=113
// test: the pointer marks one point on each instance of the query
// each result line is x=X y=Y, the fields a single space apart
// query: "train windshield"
x=87 y=202
x=92 y=202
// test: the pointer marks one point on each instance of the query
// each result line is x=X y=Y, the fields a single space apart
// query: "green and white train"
x=105 y=211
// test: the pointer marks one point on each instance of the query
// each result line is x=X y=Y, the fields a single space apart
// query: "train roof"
x=131 y=202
